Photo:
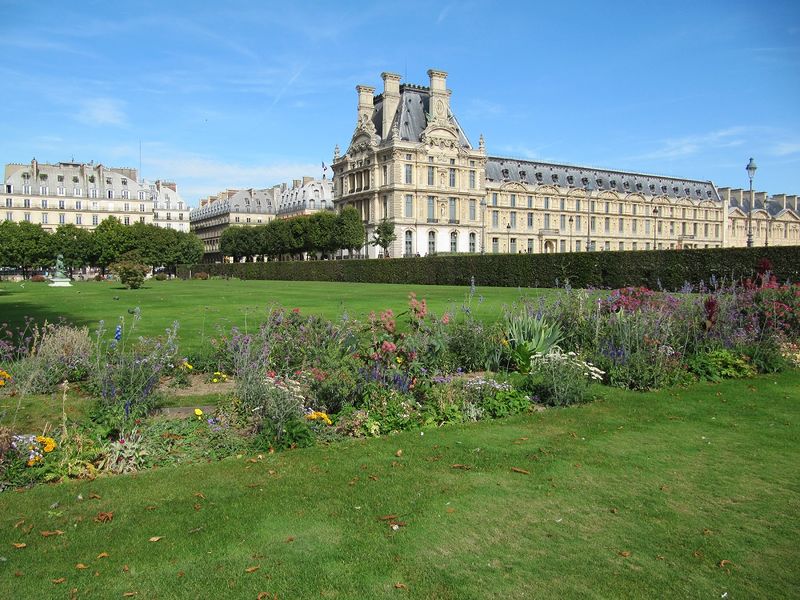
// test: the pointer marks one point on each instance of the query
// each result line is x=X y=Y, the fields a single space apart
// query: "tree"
x=130 y=272
x=383 y=235
x=230 y=243
x=33 y=247
x=74 y=244
x=151 y=242
x=9 y=247
x=322 y=232
x=110 y=240
x=190 y=249
x=349 y=230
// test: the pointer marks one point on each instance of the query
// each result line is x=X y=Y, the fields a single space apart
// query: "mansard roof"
x=582 y=177
x=411 y=118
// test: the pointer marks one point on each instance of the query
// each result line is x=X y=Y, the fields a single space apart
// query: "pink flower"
x=387 y=347
x=445 y=318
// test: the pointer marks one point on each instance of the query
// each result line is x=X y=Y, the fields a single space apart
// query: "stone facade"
x=410 y=162
x=86 y=194
x=304 y=197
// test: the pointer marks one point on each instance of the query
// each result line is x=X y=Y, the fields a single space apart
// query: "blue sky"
x=250 y=94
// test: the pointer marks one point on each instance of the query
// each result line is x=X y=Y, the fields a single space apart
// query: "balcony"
x=430 y=220
x=453 y=221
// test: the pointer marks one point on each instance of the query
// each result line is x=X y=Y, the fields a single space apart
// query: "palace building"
x=409 y=161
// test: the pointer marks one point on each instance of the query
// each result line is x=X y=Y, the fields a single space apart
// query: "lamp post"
x=766 y=233
x=588 y=219
x=483 y=225
x=508 y=241
x=655 y=225
x=571 y=221
x=751 y=172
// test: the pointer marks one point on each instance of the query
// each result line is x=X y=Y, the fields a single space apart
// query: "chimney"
x=366 y=103
x=307 y=180
x=440 y=95
x=391 y=100
x=295 y=184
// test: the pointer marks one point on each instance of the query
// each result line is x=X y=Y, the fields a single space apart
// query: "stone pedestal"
x=60 y=282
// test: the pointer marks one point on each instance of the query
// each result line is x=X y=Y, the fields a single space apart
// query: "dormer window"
x=522 y=174
x=626 y=184
x=538 y=176
x=570 y=179
x=639 y=187
x=663 y=189
x=505 y=173
x=708 y=193
x=108 y=180
x=652 y=187
x=60 y=178
x=699 y=193
x=675 y=188
x=687 y=190
x=554 y=177
x=585 y=180
x=613 y=183
x=599 y=182
x=124 y=182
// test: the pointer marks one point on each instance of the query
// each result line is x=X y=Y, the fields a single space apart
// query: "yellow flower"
x=399 y=360
x=198 y=412
x=321 y=416
x=215 y=380
x=188 y=366
x=2 y=382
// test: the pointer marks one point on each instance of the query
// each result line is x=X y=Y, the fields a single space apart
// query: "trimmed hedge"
x=656 y=269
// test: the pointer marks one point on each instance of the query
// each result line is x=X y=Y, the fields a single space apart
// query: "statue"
x=60 y=266
x=59 y=279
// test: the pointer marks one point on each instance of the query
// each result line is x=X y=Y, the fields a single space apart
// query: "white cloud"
x=694 y=144
x=102 y=111
x=786 y=148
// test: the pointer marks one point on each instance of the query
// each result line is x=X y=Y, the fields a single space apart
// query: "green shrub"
x=561 y=379
x=656 y=269
x=130 y=273
x=717 y=365
x=202 y=275
x=160 y=277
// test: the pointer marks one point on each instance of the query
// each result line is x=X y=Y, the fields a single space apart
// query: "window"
x=608 y=207
x=9 y=216
x=621 y=208
x=27 y=217
x=452 y=178
x=431 y=209
x=62 y=218
x=607 y=246
x=431 y=175
x=44 y=203
x=431 y=242
x=530 y=245
x=409 y=206
x=578 y=223
x=141 y=195
x=26 y=203
x=141 y=220
x=530 y=201
x=9 y=203
x=562 y=203
x=635 y=225
x=562 y=246
x=408 y=178
x=408 y=157
x=593 y=224
x=705 y=230
x=472 y=210
x=562 y=222
x=530 y=220
x=109 y=193
x=495 y=245
x=126 y=220
x=141 y=208
x=512 y=219
x=546 y=203
x=95 y=220
x=452 y=214
x=607 y=225
x=495 y=218
x=78 y=219
x=634 y=246
x=125 y=194
x=621 y=225
x=512 y=243
x=61 y=204
x=453 y=241
x=61 y=191
x=126 y=207
x=93 y=193
x=472 y=243
x=647 y=226
x=44 y=218
x=622 y=246
x=494 y=199
x=577 y=245
x=409 y=243
x=9 y=188
x=547 y=221
x=577 y=205
x=472 y=180
x=44 y=190
x=513 y=200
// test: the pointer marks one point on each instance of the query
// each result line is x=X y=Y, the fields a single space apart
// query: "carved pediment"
x=440 y=136
x=362 y=140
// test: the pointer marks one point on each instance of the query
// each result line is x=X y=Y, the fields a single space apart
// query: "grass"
x=633 y=496
x=200 y=306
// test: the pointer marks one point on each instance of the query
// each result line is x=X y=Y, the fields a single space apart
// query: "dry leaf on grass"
x=103 y=555
x=59 y=580
x=129 y=594
x=624 y=553
x=104 y=517
x=722 y=563
x=198 y=506
x=518 y=470
x=18 y=523
x=463 y=467
x=267 y=596
x=252 y=569
x=155 y=538
x=50 y=533
x=19 y=545
x=200 y=495
x=94 y=496
x=81 y=566
x=387 y=518
x=400 y=586
x=289 y=539
x=373 y=477
x=151 y=507
x=399 y=453
x=125 y=569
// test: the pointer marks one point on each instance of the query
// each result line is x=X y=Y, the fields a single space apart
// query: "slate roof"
x=412 y=115
x=534 y=172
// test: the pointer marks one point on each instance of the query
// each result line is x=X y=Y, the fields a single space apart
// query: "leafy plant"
x=717 y=365
x=528 y=336
x=125 y=455
x=130 y=273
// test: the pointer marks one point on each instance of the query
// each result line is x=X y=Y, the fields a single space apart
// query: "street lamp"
x=571 y=221
x=751 y=172
x=588 y=219
x=483 y=225
x=766 y=234
x=655 y=225
x=508 y=242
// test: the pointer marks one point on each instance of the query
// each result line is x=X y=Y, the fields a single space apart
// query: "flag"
x=324 y=168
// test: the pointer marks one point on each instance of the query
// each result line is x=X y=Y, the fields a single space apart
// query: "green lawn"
x=633 y=496
x=200 y=305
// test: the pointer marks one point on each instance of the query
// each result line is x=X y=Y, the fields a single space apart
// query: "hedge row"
x=657 y=269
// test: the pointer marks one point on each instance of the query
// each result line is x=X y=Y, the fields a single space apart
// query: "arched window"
x=472 y=243
x=409 y=243
x=431 y=242
x=453 y=241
